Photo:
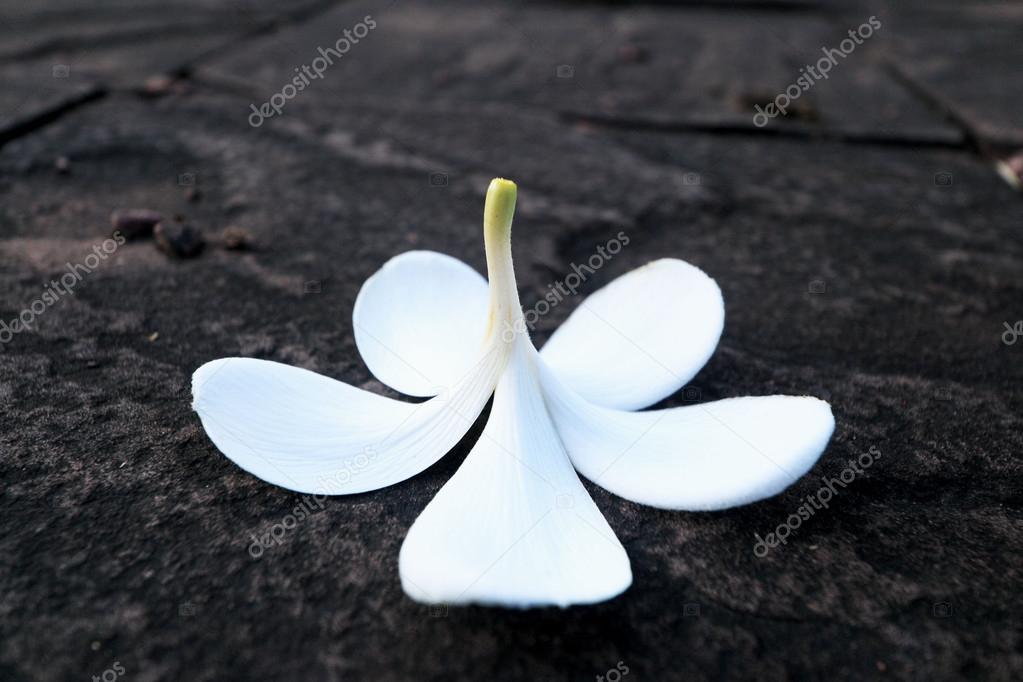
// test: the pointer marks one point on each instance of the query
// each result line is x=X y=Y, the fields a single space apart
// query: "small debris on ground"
x=1011 y=170
x=799 y=110
x=135 y=223
x=235 y=238
x=163 y=84
x=179 y=240
x=632 y=53
x=63 y=165
x=157 y=85
x=153 y=337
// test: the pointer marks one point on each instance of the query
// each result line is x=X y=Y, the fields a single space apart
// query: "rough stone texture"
x=54 y=55
x=932 y=45
x=124 y=534
x=689 y=66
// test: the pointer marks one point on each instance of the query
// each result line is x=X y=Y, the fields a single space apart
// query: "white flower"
x=514 y=526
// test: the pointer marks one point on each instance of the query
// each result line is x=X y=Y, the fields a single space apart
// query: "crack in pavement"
x=43 y=117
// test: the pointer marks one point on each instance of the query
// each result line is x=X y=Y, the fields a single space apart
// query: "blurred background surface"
x=867 y=241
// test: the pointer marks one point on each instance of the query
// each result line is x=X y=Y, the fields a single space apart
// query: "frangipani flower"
x=514 y=526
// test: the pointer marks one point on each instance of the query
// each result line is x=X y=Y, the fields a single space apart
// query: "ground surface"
x=867 y=250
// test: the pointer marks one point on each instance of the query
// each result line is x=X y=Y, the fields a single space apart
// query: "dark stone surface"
x=850 y=270
x=54 y=55
x=702 y=66
x=932 y=44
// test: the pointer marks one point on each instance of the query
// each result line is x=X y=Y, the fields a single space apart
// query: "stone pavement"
x=867 y=249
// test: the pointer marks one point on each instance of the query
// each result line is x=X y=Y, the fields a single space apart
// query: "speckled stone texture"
x=867 y=251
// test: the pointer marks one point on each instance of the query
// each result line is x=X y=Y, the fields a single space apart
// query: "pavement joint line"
x=790 y=131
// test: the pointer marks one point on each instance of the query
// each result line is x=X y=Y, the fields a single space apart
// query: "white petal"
x=309 y=433
x=699 y=457
x=514 y=526
x=641 y=337
x=420 y=321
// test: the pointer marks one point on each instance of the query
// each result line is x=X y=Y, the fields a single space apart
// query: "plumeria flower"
x=514 y=526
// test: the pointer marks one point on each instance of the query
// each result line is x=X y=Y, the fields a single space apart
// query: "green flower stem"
x=505 y=318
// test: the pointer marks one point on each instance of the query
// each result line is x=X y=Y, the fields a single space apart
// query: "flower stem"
x=505 y=318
